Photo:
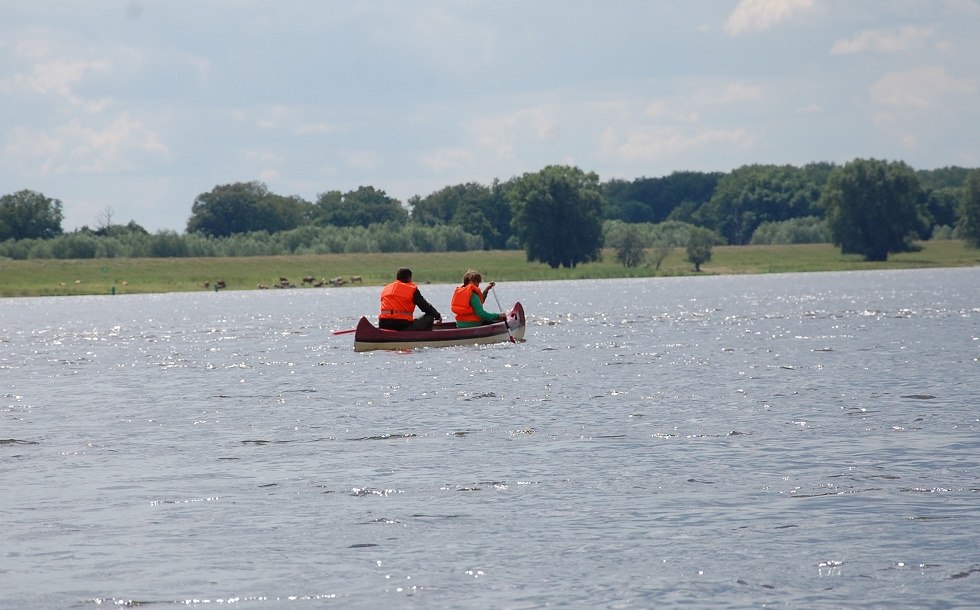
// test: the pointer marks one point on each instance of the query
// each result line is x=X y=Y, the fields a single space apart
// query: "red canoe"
x=367 y=336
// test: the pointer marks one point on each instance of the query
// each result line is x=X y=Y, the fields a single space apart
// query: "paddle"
x=345 y=332
x=506 y=323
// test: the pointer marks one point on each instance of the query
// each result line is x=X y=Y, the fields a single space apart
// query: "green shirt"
x=485 y=316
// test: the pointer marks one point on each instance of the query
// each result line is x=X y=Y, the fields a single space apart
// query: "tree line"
x=560 y=215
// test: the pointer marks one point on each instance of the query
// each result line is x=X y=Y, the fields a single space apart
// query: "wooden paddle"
x=506 y=323
x=345 y=332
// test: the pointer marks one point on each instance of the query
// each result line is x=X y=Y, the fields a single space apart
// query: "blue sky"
x=138 y=106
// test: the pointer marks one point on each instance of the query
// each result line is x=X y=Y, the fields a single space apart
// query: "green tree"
x=557 y=215
x=29 y=215
x=630 y=250
x=943 y=205
x=699 y=245
x=805 y=230
x=477 y=209
x=244 y=207
x=969 y=223
x=872 y=208
x=277 y=213
x=654 y=199
x=360 y=208
x=754 y=194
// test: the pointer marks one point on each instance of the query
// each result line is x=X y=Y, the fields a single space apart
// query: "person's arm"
x=485 y=315
x=486 y=290
x=424 y=305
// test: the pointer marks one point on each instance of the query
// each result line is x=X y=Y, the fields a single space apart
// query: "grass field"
x=133 y=276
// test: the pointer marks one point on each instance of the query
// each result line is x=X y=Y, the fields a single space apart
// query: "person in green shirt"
x=468 y=299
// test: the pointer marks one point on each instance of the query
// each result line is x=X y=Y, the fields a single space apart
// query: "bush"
x=804 y=230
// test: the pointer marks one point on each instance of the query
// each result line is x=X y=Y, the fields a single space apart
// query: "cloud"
x=810 y=109
x=53 y=77
x=499 y=135
x=78 y=148
x=447 y=159
x=361 y=159
x=740 y=92
x=920 y=89
x=908 y=38
x=307 y=129
x=761 y=15
x=657 y=143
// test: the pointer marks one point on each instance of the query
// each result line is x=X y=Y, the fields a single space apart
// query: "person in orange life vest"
x=398 y=302
x=468 y=299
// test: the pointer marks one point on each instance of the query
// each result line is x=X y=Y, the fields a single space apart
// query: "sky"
x=128 y=110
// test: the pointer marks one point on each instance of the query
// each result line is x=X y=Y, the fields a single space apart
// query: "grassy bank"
x=132 y=276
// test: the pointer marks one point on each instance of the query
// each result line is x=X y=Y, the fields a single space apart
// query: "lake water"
x=800 y=441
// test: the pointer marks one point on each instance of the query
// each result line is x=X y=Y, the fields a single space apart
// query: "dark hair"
x=404 y=275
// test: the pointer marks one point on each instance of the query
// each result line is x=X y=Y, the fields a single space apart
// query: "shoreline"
x=75 y=277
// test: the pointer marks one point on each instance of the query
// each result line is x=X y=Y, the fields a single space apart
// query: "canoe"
x=368 y=337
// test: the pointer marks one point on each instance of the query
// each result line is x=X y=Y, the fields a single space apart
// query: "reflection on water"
x=802 y=440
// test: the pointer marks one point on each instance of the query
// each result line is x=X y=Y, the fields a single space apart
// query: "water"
x=798 y=441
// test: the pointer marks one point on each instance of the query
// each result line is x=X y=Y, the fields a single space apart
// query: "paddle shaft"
x=506 y=322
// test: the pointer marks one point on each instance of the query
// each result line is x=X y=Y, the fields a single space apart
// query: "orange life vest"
x=461 y=303
x=396 y=301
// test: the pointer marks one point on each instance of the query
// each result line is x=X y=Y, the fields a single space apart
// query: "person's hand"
x=491 y=285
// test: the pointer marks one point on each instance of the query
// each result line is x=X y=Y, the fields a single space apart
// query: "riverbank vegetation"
x=558 y=223
x=47 y=277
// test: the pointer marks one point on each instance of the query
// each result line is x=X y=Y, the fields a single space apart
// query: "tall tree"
x=754 y=194
x=360 y=208
x=653 y=199
x=557 y=215
x=29 y=215
x=630 y=250
x=969 y=223
x=243 y=207
x=873 y=208
x=699 y=244
x=477 y=209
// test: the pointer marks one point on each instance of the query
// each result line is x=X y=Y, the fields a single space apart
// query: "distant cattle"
x=338 y=281
x=308 y=279
x=356 y=279
x=220 y=285
x=262 y=287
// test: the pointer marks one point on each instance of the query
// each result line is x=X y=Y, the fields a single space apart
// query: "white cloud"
x=908 y=38
x=308 y=129
x=810 y=109
x=498 y=135
x=56 y=77
x=268 y=175
x=78 y=148
x=970 y=8
x=761 y=15
x=920 y=89
x=447 y=159
x=361 y=159
x=740 y=92
x=658 y=143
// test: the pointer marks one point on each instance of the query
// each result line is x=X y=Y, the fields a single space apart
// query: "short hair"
x=404 y=275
